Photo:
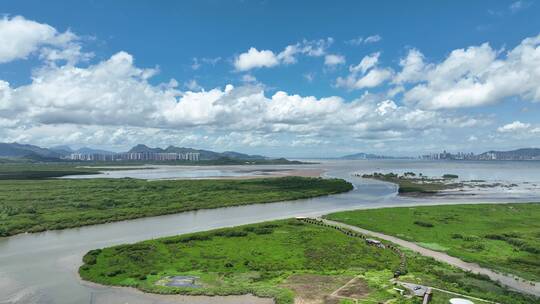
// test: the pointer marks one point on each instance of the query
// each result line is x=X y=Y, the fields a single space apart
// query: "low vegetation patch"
x=292 y=261
x=412 y=184
x=289 y=258
x=38 y=205
x=26 y=170
x=504 y=237
x=423 y=224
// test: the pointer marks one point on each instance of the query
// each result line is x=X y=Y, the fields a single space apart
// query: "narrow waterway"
x=42 y=267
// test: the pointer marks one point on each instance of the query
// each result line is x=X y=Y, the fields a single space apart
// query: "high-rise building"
x=136 y=156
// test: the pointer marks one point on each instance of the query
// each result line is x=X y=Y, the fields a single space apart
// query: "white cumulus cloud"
x=254 y=58
x=20 y=38
x=413 y=68
x=362 y=40
x=372 y=39
x=366 y=63
x=115 y=102
x=473 y=76
x=115 y=97
x=365 y=74
x=515 y=126
x=334 y=59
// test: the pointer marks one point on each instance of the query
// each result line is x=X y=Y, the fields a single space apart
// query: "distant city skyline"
x=387 y=77
x=135 y=156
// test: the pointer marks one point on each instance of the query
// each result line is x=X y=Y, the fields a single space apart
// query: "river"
x=42 y=267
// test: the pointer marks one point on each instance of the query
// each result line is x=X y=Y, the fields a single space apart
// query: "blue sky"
x=281 y=78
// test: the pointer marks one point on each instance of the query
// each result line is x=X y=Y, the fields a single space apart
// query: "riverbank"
x=39 y=205
x=115 y=295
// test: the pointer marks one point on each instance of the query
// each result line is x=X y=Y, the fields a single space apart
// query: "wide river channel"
x=42 y=267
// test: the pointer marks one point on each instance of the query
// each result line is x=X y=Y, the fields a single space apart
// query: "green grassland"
x=46 y=204
x=280 y=259
x=504 y=237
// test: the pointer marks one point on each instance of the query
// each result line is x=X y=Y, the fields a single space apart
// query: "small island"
x=414 y=184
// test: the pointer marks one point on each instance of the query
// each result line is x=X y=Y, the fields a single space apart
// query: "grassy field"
x=504 y=237
x=281 y=259
x=38 y=205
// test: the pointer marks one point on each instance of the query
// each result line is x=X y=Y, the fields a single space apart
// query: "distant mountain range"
x=15 y=150
x=519 y=154
x=368 y=156
x=204 y=154
x=66 y=150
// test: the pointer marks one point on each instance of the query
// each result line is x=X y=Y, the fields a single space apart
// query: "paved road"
x=509 y=281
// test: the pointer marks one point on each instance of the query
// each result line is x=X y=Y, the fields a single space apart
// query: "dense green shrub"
x=423 y=224
x=91 y=257
x=263 y=230
x=38 y=205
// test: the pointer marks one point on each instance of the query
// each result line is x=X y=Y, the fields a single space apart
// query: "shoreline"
x=241 y=171
x=120 y=294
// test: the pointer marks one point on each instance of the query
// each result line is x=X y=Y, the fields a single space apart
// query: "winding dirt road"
x=510 y=281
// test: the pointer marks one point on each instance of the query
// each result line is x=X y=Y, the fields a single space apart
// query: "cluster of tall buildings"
x=460 y=156
x=136 y=156
x=447 y=155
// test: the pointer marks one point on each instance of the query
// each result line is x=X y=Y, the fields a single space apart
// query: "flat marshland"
x=503 y=237
x=46 y=204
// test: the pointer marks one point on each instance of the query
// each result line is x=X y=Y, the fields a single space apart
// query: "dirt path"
x=510 y=281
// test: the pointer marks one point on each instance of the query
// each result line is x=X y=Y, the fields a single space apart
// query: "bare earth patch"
x=355 y=289
x=315 y=289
